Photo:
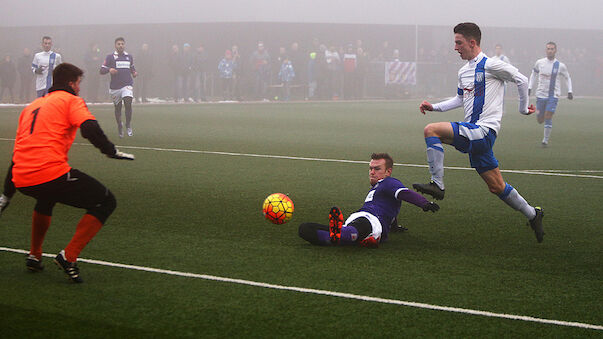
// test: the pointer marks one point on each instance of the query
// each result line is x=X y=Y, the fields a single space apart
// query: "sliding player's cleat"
x=335 y=223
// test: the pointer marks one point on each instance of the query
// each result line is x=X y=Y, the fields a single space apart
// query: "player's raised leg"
x=435 y=135
x=511 y=197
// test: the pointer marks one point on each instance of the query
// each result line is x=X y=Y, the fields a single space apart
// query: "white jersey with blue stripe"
x=481 y=91
x=47 y=61
x=548 y=72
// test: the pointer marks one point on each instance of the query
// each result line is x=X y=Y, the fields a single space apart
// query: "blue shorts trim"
x=546 y=105
x=480 y=152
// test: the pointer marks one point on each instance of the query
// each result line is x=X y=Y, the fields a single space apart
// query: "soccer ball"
x=278 y=208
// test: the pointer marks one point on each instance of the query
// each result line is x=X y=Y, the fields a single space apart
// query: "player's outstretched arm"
x=418 y=200
x=425 y=106
x=91 y=130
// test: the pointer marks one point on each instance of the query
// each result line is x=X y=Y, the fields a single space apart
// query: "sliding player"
x=481 y=93
x=371 y=224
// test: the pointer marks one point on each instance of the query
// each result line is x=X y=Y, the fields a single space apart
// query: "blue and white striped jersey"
x=47 y=61
x=481 y=91
x=547 y=72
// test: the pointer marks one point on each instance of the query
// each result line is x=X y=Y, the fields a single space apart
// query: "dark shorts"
x=470 y=138
x=74 y=188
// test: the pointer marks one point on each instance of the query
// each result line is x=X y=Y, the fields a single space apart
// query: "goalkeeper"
x=371 y=224
x=46 y=131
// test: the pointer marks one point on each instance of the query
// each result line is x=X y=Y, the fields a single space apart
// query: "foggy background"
x=421 y=31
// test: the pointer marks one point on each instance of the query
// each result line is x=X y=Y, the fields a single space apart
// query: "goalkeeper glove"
x=121 y=155
x=431 y=206
x=570 y=95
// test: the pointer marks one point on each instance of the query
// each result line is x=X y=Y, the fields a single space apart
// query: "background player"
x=43 y=64
x=47 y=128
x=481 y=93
x=371 y=224
x=120 y=65
x=549 y=90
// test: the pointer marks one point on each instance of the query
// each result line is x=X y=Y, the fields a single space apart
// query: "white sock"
x=512 y=198
x=435 y=158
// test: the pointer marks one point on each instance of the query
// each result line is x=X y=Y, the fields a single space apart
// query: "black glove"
x=39 y=70
x=431 y=206
x=570 y=96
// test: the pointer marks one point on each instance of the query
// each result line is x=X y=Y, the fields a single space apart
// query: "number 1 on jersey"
x=33 y=121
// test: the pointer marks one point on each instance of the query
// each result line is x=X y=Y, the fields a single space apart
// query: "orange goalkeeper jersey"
x=46 y=131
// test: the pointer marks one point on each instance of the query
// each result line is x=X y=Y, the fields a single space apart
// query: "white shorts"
x=118 y=94
x=377 y=228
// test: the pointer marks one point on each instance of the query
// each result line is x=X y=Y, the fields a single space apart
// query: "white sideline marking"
x=531 y=172
x=329 y=293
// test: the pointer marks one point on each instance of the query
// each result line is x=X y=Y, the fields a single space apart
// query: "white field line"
x=531 y=172
x=329 y=293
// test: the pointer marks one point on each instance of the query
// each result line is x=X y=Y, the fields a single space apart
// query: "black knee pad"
x=103 y=210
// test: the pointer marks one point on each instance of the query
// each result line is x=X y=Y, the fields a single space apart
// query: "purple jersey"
x=382 y=202
x=124 y=64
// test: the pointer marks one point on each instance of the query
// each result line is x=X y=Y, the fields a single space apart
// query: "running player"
x=371 y=224
x=120 y=65
x=42 y=65
x=480 y=92
x=549 y=90
x=47 y=128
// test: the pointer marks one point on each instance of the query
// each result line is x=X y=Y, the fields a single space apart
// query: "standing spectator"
x=276 y=64
x=322 y=79
x=144 y=63
x=286 y=75
x=188 y=65
x=498 y=54
x=260 y=63
x=333 y=65
x=226 y=70
x=8 y=77
x=349 y=73
x=237 y=75
x=42 y=65
x=92 y=59
x=120 y=65
x=25 y=76
x=298 y=60
x=175 y=64
x=362 y=63
x=312 y=69
x=199 y=74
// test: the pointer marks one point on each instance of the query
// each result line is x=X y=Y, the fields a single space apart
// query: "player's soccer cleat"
x=335 y=223
x=369 y=242
x=34 y=264
x=431 y=189
x=70 y=268
x=544 y=144
x=130 y=133
x=4 y=202
x=536 y=224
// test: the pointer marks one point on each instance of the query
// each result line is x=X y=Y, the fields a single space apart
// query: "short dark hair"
x=469 y=30
x=65 y=73
x=552 y=43
x=119 y=39
x=389 y=162
x=46 y=37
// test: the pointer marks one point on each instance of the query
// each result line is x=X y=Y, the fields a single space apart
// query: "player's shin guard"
x=86 y=229
x=39 y=227
x=548 y=128
x=435 y=158
x=512 y=198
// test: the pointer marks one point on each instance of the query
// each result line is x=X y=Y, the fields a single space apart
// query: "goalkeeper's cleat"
x=34 y=264
x=130 y=133
x=335 y=223
x=70 y=268
x=4 y=202
x=369 y=242
x=432 y=189
x=536 y=224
